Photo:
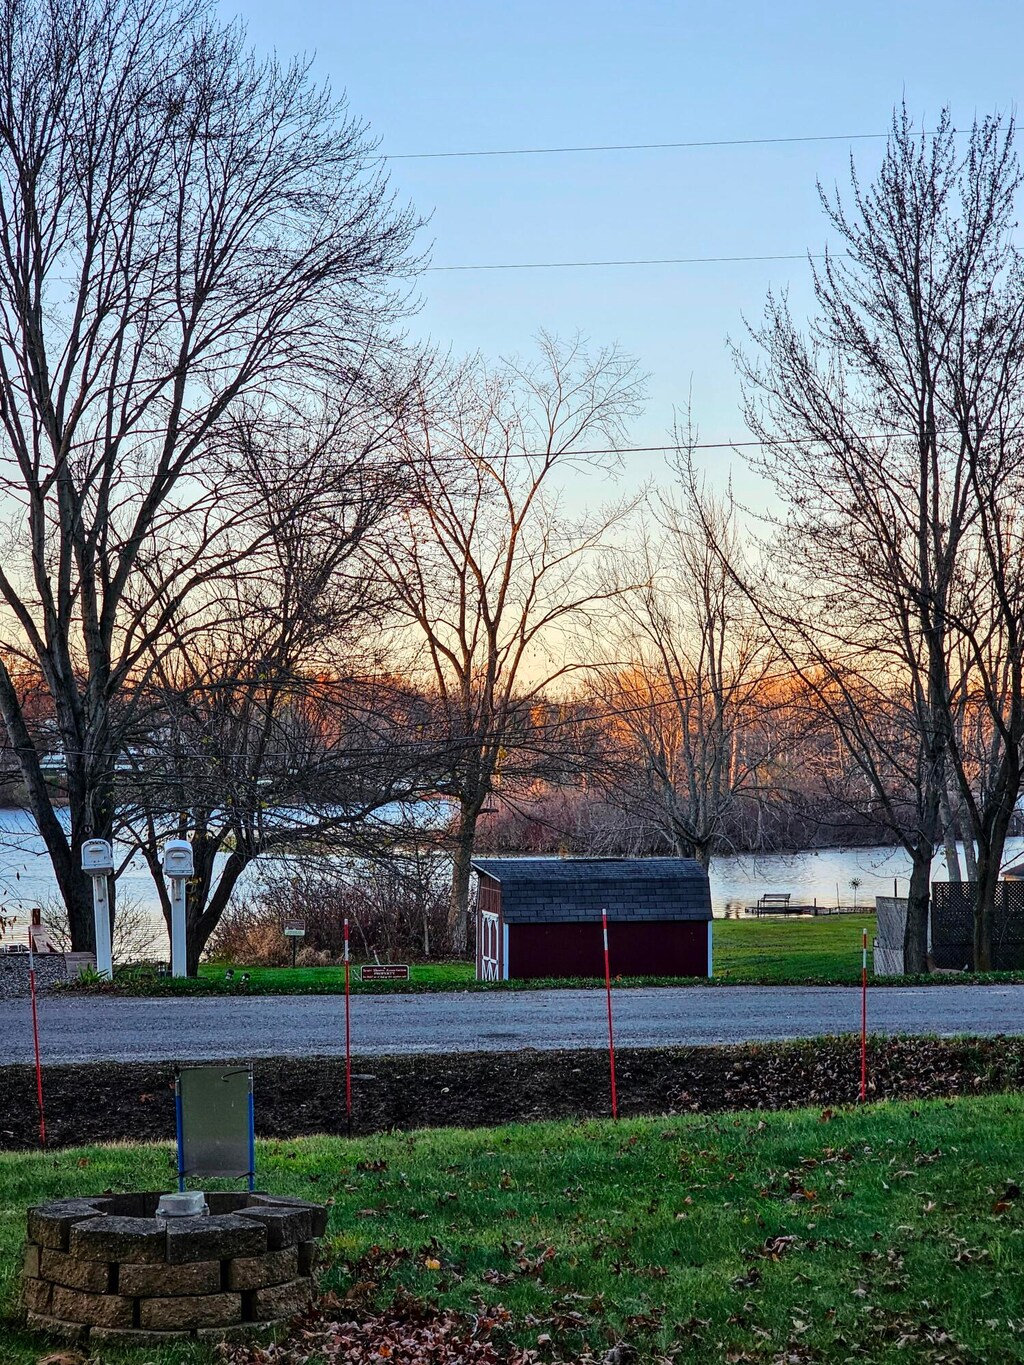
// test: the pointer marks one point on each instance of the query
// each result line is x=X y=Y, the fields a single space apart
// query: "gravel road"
x=268 y=1026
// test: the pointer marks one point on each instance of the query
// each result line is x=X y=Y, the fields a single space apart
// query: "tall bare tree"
x=686 y=682
x=186 y=232
x=490 y=572
x=892 y=437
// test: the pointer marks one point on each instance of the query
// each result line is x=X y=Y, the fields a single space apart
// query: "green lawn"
x=891 y=1232
x=429 y=975
x=785 y=950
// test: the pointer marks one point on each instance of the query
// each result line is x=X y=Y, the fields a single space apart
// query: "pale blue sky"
x=433 y=77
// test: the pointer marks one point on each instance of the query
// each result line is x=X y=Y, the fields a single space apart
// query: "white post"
x=101 y=918
x=98 y=864
x=178 y=868
x=179 y=950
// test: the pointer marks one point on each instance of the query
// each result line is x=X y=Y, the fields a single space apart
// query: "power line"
x=640 y=146
x=663 y=260
x=709 y=445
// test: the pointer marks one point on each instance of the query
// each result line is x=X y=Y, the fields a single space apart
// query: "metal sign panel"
x=215 y=1123
x=384 y=971
x=295 y=928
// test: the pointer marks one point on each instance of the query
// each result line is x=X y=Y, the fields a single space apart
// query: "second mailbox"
x=178 y=860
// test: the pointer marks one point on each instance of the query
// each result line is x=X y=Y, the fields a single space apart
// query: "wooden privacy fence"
x=952 y=912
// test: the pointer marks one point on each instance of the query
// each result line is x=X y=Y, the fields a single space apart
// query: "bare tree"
x=186 y=232
x=490 y=572
x=685 y=686
x=266 y=726
x=987 y=709
x=890 y=429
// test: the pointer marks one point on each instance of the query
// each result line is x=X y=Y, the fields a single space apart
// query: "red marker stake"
x=864 y=1016
x=348 y=1042
x=611 y=1034
x=35 y=1039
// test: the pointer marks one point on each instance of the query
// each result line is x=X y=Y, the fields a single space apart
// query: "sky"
x=435 y=76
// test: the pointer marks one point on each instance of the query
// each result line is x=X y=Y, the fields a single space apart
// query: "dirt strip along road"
x=102 y=1101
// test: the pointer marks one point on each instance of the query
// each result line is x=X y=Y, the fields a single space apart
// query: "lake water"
x=824 y=875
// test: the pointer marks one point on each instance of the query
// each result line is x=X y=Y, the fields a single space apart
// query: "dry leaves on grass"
x=410 y=1333
x=335 y=1338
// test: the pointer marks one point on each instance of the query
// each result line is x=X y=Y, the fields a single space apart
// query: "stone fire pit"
x=107 y=1270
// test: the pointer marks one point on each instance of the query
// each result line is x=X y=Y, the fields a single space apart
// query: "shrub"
x=396 y=908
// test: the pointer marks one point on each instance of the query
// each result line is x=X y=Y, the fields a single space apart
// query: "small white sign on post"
x=294 y=929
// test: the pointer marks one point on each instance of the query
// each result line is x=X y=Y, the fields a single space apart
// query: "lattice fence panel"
x=953 y=924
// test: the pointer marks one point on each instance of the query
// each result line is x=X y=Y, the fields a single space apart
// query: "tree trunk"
x=985 y=911
x=990 y=861
x=949 y=836
x=65 y=854
x=915 y=936
x=970 y=854
x=990 y=840
x=203 y=912
x=76 y=893
x=462 y=855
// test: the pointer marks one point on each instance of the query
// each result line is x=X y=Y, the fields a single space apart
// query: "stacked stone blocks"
x=107 y=1270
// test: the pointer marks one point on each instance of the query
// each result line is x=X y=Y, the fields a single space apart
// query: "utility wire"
x=640 y=146
x=663 y=260
x=703 y=445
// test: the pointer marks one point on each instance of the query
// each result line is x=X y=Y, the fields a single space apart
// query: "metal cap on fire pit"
x=189 y=1204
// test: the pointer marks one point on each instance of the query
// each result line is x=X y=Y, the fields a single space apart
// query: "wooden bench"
x=774 y=903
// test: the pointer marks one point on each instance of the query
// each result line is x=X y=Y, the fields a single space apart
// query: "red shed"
x=539 y=917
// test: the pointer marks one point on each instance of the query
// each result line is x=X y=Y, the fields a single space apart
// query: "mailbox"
x=178 y=858
x=97 y=857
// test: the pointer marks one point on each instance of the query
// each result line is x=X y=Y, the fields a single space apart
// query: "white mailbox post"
x=178 y=868
x=98 y=864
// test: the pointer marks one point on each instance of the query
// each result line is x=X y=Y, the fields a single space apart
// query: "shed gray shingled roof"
x=561 y=889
